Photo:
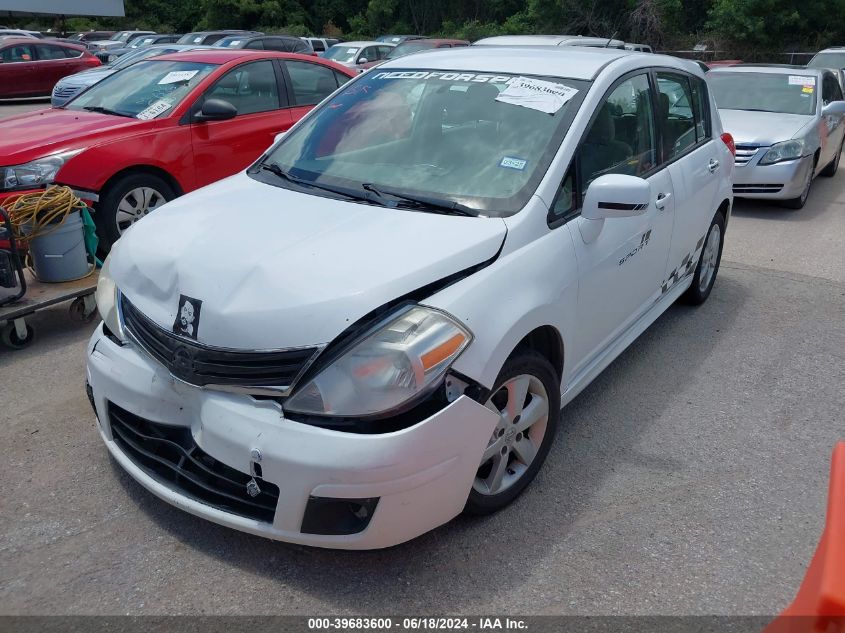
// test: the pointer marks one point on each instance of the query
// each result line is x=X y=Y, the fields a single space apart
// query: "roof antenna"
x=611 y=38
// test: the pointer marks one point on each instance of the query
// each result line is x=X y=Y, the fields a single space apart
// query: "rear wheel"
x=527 y=400
x=708 y=263
x=126 y=201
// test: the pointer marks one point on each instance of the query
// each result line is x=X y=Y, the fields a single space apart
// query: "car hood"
x=762 y=128
x=86 y=77
x=41 y=133
x=275 y=268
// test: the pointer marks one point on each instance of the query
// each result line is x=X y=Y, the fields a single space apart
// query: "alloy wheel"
x=136 y=204
x=709 y=258
x=522 y=405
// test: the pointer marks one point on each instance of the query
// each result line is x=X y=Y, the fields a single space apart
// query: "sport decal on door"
x=643 y=243
x=686 y=267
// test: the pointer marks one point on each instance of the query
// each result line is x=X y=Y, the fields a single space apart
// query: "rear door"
x=53 y=64
x=223 y=148
x=18 y=71
x=696 y=163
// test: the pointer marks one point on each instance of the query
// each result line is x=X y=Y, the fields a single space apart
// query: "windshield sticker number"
x=154 y=110
x=177 y=76
x=800 y=80
x=512 y=162
x=545 y=96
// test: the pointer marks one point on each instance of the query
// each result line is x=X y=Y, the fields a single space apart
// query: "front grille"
x=66 y=91
x=170 y=455
x=757 y=188
x=744 y=154
x=202 y=365
x=103 y=56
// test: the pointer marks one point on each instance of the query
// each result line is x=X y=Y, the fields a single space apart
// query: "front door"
x=620 y=270
x=18 y=74
x=223 y=148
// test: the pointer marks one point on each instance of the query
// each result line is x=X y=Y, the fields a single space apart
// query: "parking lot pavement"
x=690 y=477
x=10 y=107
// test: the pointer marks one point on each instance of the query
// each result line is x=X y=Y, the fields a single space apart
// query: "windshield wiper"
x=425 y=203
x=102 y=110
x=284 y=175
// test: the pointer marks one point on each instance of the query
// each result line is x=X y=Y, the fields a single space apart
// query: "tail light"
x=728 y=140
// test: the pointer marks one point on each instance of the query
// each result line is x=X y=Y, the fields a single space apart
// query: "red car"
x=31 y=67
x=162 y=127
x=415 y=46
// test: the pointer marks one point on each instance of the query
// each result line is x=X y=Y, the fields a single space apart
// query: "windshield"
x=341 y=53
x=122 y=36
x=229 y=42
x=828 y=60
x=459 y=137
x=192 y=38
x=131 y=58
x=764 y=92
x=138 y=42
x=145 y=90
x=407 y=48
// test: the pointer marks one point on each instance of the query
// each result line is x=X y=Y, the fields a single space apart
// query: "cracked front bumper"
x=421 y=475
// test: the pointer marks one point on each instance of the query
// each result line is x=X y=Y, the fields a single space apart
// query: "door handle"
x=660 y=202
x=713 y=165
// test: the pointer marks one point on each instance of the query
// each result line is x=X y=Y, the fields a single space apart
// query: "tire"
x=130 y=197
x=800 y=201
x=708 y=263
x=513 y=444
x=9 y=336
x=832 y=166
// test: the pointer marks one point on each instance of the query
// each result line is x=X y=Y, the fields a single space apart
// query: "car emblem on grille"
x=183 y=360
x=252 y=488
x=187 y=320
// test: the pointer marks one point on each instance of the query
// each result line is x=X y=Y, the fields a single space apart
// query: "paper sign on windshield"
x=154 y=110
x=176 y=76
x=800 y=80
x=545 y=96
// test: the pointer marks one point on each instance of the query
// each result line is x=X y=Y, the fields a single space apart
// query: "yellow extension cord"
x=37 y=214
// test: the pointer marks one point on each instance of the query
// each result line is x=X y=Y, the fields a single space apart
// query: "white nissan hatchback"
x=375 y=326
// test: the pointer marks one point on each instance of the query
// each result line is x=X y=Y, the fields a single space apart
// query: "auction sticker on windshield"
x=154 y=110
x=545 y=96
x=801 y=80
x=177 y=76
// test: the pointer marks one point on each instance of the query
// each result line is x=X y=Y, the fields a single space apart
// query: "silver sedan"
x=787 y=123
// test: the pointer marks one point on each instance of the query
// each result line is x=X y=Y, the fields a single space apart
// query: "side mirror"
x=216 y=110
x=616 y=196
x=363 y=60
x=834 y=108
x=278 y=137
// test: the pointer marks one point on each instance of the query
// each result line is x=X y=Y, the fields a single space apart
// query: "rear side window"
x=311 y=83
x=50 y=52
x=675 y=114
x=18 y=53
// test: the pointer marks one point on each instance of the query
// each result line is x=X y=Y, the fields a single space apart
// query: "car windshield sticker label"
x=448 y=76
x=187 y=317
x=807 y=89
x=234 y=43
x=154 y=110
x=177 y=76
x=800 y=80
x=512 y=162
x=351 y=51
x=545 y=96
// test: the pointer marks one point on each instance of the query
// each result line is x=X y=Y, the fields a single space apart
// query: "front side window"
x=830 y=89
x=146 y=90
x=621 y=139
x=16 y=54
x=674 y=114
x=311 y=83
x=250 y=88
x=455 y=136
x=792 y=93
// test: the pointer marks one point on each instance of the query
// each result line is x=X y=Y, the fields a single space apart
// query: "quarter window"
x=250 y=88
x=311 y=83
x=621 y=138
x=675 y=114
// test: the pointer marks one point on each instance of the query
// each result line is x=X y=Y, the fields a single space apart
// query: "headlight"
x=106 y=296
x=788 y=150
x=399 y=361
x=35 y=174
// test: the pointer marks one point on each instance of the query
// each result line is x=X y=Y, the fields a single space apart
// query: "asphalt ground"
x=689 y=478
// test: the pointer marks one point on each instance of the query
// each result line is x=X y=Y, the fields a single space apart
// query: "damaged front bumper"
x=314 y=486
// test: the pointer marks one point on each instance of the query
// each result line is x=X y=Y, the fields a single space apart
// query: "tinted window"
x=674 y=114
x=18 y=53
x=621 y=139
x=830 y=89
x=250 y=88
x=50 y=52
x=254 y=45
x=317 y=45
x=311 y=83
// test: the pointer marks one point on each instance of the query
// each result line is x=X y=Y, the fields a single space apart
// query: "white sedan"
x=374 y=327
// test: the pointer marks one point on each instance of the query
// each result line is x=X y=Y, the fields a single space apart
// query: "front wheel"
x=126 y=201
x=527 y=400
x=708 y=262
x=800 y=201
